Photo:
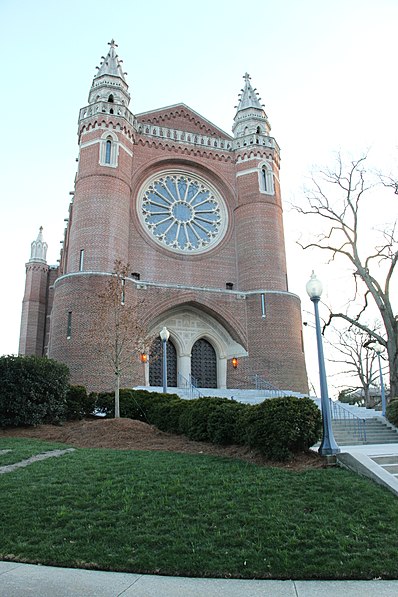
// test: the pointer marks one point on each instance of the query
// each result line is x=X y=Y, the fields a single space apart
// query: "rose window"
x=183 y=213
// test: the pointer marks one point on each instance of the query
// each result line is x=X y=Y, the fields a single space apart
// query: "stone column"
x=184 y=365
x=222 y=372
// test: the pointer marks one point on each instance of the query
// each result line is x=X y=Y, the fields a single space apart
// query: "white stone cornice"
x=239 y=294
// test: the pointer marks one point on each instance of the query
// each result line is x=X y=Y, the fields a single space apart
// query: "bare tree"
x=358 y=358
x=337 y=198
x=123 y=335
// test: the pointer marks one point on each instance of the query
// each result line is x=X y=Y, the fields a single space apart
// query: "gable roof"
x=182 y=117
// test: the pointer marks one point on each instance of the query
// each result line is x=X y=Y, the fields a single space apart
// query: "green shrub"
x=134 y=404
x=33 y=390
x=280 y=427
x=152 y=401
x=167 y=415
x=194 y=419
x=130 y=407
x=392 y=411
x=223 y=423
x=105 y=404
x=78 y=403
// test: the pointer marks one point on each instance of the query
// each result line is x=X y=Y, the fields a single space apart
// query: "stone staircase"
x=371 y=431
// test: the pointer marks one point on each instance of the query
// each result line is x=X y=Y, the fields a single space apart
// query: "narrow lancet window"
x=123 y=291
x=69 y=326
x=108 y=152
x=81 y=260
x=264 y=179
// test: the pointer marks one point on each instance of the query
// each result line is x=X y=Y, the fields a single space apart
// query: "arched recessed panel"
x=204 y=364
x=156 y=366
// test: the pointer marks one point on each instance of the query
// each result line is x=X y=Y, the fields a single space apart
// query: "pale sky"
x=326 y=71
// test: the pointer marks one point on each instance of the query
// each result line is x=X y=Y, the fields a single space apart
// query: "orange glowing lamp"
x=235 y=363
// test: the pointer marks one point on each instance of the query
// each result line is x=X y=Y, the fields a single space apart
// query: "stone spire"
x=38 y=249
x=109 y=84
x=250 y=117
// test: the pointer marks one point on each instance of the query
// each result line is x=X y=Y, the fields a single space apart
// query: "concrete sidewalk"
x=27 y=580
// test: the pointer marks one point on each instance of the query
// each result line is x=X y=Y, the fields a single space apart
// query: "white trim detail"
x=265 y=179
x=96 y=141
x=109 y=157
x=244 y=172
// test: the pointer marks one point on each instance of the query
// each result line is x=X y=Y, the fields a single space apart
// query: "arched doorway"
x=204 y=364
x=155 y=364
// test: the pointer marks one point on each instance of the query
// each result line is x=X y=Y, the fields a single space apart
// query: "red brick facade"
x=185 y=290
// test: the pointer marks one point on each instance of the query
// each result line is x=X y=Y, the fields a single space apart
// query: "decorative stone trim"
x=106 y=108
x=238 y=293
x=211 y=142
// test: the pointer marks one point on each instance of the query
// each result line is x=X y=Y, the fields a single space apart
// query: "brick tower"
x=34 y=305
x=197 y=215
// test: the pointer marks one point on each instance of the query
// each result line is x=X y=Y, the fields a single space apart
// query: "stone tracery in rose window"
x=183 y=213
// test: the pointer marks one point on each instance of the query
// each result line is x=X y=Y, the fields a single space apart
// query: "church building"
x=196 y=214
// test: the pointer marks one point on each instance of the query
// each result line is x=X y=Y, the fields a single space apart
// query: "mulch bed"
x=128 y=434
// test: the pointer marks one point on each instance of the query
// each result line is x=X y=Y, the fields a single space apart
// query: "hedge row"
x=32 y=390
x=278 y=427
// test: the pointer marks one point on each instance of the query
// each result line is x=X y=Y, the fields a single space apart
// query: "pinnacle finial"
x=250 y=117
x=38 y=248
x=109 y=80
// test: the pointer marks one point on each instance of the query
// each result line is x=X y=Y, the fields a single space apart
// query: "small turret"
x=34 y=304
x=38 y=250
x=109 y=84
x=250 y=117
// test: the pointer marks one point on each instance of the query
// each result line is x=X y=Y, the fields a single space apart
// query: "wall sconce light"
x=235 y=363
x=143 y=357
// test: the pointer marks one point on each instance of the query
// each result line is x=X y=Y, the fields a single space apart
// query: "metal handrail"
x=189 y=385
x=263 y=385
x=342 y=413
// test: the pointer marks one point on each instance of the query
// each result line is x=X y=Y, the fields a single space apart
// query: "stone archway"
x=188 y=325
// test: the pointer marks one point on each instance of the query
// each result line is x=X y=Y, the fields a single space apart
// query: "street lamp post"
x=164 y=336
x=328 y=444
x=378 y=348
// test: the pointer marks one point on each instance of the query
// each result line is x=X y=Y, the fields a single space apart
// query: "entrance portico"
x=202 y=347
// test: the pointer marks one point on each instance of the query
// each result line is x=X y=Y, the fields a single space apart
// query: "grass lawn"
x=194 y=515
x=23 y=449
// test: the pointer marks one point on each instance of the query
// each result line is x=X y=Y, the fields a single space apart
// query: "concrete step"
x=370 y=434
x=391 y=459
x=347 y=432
x=391 y=468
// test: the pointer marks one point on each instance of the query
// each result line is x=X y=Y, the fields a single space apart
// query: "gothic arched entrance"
x=204 y=364
x=155 y=364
